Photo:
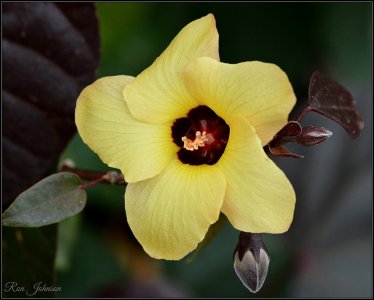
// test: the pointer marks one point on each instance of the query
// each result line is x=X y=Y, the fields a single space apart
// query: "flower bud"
x=312 y=135
x=251 y=261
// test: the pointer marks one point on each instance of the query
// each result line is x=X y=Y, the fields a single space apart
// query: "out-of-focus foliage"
x=332 y=182
x=28 y=255
x=50 y=51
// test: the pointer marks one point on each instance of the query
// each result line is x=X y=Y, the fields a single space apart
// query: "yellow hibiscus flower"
x=188 y=134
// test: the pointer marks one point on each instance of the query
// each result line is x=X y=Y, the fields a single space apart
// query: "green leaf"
x=212 y=232
x=49 y=201
x=28 y=257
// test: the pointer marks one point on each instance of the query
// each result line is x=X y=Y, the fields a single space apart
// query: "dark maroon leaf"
x=50 y=52
x=283 y=151
x=331 y=99
x=311 y=135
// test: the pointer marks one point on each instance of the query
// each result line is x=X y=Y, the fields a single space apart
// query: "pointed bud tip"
x=328 y=133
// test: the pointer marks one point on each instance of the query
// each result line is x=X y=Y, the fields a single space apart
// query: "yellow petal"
x=103 y=120
x=259 y=197
x=171 y=213
x=259 y=91
x=158 y=94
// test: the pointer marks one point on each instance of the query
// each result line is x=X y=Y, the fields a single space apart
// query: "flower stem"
x=303 y=113
x=95 y=177
x=92 y=183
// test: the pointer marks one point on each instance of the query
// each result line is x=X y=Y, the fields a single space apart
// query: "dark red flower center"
x=202 y=136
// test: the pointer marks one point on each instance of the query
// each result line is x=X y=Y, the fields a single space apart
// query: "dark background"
x=328 y=249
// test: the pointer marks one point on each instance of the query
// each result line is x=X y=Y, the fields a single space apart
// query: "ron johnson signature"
x=39 y=287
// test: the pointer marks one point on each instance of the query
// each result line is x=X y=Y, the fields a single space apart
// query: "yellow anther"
x=199 y=141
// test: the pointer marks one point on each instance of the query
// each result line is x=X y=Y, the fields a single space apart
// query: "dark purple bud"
x=251 y=261
x=292 y=132
x=334 y=101
x=312 y=135
x=286 y=134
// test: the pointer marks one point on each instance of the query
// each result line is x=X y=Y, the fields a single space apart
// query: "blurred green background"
x=98 y=255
